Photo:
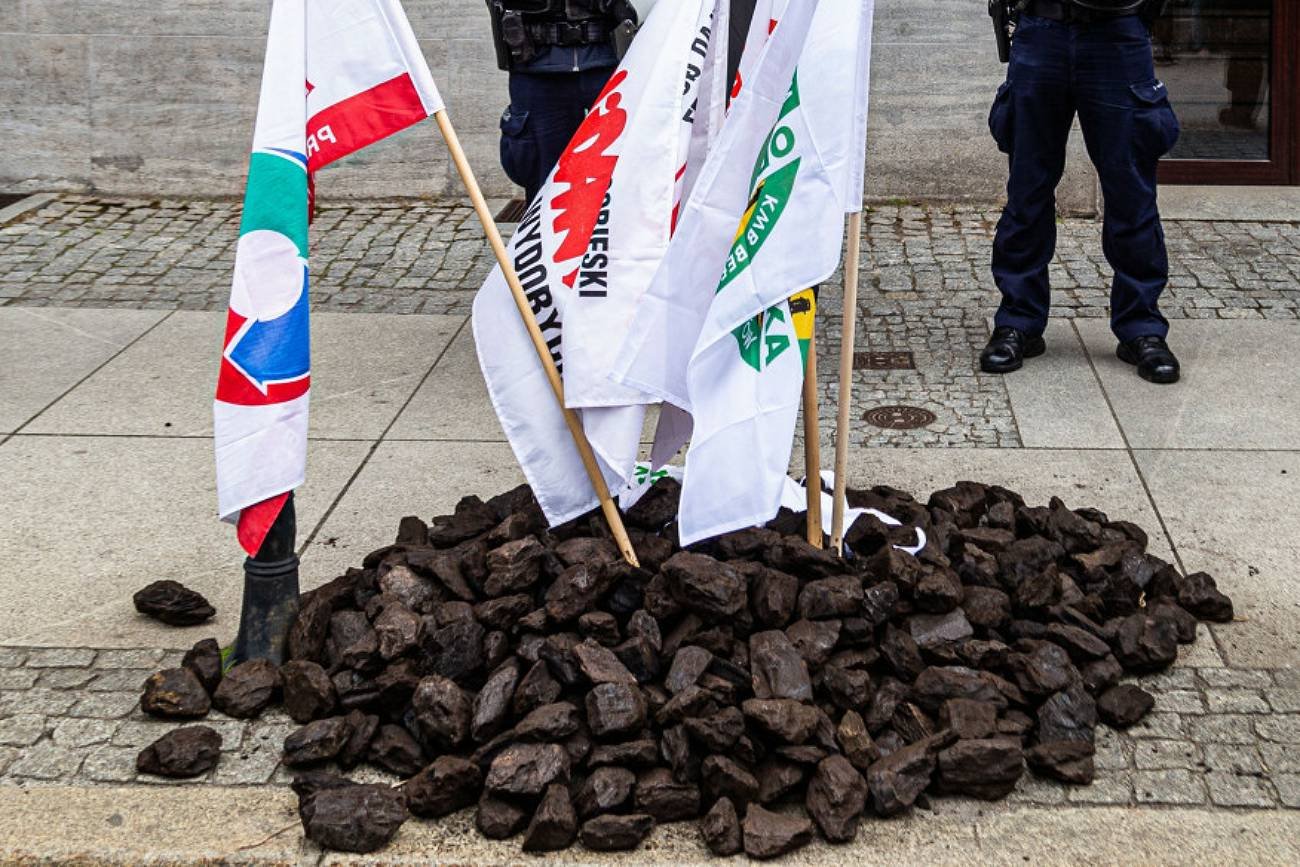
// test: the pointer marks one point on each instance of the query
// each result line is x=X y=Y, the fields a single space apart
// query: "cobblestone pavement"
x=926 y=287
x=1227 y=738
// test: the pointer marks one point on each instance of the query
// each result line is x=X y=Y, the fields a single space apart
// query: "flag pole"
x=847 y=337
x=812 y=450
x=607 y=504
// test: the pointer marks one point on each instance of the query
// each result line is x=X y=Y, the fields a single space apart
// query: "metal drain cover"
x=899 y=417
x=883 y=361
x=513 y=211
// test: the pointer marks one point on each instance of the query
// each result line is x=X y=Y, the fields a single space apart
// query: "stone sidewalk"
x=108 y=334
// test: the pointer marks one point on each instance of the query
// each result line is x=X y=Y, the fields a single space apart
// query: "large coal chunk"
x=704 y=585
x=836 y=797
x=449 y=784
x=498 y=819
x=554 y=825
x=987 y=768
x=777 y=668
x=720 y=828
x=615 y=709
x=770 y=835
x=665 y=798
x=1125 y=705
x=1145 y=644
x=605 y=790
x=525 y=770
x=308 y=691
x=173 y=603
x=394 y=749
x=442 y=712
x=1069 y=715
x=472 y=518
x=351 y=817
x=247 y=689
x=898 y=779
x=616 y=833
x=1066 y=761
x=204 y=659
x=181 y=753
x=175 y=693
x=1199 y=595
x=317 y=741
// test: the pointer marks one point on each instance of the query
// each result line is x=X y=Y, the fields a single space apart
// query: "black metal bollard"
x=270 y=594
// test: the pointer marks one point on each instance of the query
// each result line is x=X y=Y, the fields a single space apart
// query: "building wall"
x=158 y=99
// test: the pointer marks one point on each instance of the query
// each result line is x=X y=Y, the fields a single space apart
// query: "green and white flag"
x=723 y=347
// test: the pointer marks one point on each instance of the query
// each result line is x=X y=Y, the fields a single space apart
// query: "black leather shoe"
x=1008 y=348
x=1154 y=359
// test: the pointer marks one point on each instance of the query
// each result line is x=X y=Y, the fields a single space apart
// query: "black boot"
x=1155 y=361
x=1008 y=348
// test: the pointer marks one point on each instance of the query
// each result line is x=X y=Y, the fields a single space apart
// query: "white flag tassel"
x=584 y=252
x=742 y=376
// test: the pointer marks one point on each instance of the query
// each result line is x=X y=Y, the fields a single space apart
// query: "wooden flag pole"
x=848 y=333
x=812 y=447
x=607 y=505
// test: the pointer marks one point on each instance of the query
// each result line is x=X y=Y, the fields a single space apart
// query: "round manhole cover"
x=899 y=417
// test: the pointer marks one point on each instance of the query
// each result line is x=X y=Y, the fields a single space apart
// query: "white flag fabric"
x=742 y=379
x=338 y=76
x=585 y=250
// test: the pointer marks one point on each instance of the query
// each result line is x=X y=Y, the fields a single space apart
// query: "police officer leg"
x=1128 y=125
x=1031 y=121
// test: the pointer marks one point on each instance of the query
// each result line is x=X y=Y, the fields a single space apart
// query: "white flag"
x=743 y=379
x=339 y=75
x=584 y=251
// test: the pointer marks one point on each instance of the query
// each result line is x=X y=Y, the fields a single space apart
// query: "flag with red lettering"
x=339 y=75
x=584 y=251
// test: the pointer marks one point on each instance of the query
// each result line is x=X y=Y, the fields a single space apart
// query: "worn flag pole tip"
x=607 y=505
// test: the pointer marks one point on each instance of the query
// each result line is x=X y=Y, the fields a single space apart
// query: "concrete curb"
x=170 y=824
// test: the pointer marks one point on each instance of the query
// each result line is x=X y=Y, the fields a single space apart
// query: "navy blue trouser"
x=545 y=111
x=1104 y=72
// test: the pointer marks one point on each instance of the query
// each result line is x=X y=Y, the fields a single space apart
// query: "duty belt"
x=569 y=33
x=1058 y=11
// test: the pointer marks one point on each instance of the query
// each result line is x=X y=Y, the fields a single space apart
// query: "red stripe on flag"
x=363 y=119
x=255 y=522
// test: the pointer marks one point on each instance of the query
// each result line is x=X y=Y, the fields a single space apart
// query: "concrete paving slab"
x=1236 y=515
x=1224 y=203
x=45 y=351
x=1238 y=388
x=405 y=478
x=1057 y=400
x=453 y=402
x=191 y=824
x=364 y=369
x=87 y=521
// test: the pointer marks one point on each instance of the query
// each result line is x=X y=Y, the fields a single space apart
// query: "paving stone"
x=129 y=658
x=106 y=705
x=1239 y=790
x=119 y=680
x=257 y=758
x=1288 y=789
x=1280 y=728
x=22 y=730
x=1113 y=749
x=1038 y=791
x=1283 y=699
x=108 y=764
x=75 y=733
x=66 y=678
x=1280 y=757
x=1236 y=678
x=1221 y=729
x=7 y=757
x=1159 y=725
x=1161 y=755
x=1234 y=758
x=12 y=657
x=18 y=678
x=1235 y=701
x=1109 y=788
x=60 y=657
x=46 y=761
x=1168 y=787
x=46 y=701
x=1180 y=701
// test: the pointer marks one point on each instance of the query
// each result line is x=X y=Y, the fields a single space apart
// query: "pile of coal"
x=764 y=688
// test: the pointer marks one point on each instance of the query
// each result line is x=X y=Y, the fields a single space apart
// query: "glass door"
x=1230 y=69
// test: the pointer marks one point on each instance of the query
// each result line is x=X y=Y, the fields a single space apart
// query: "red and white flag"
x=339 y=75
